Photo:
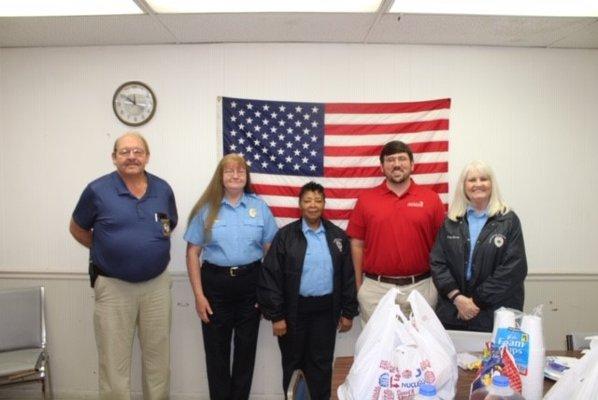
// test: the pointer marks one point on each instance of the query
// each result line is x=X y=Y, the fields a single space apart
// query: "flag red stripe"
x=354 y=172
x=384 y=108
x=331 y=193
x=430 y=168
x=338 y=193
x=287 y=212
x=276 y=190
x=292 y=212
x=404 y=127
x=356 y=151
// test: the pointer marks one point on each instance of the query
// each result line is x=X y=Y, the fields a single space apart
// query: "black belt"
x=400 y=280
x=232 y=270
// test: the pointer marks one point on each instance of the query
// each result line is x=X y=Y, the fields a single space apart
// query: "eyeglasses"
x=135 y=151
x=399 y=158
x=240 y=171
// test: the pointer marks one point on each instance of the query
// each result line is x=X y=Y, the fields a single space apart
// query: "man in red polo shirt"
x=392 y=228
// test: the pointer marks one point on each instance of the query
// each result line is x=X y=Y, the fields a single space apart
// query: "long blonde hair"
x=496 y=204
x=214 y=193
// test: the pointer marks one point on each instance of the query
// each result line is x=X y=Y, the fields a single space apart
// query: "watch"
x=134 y=103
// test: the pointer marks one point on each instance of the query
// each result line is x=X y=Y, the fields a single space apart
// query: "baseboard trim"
x=182 y=276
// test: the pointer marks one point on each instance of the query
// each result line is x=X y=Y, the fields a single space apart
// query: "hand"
x=345 y=324
x=202 y=306
x=466 y=307
x=358 y=281
x=279 y=328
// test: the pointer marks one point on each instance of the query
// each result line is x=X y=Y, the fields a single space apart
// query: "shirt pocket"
x=161 y=225
x=253 y=230
x=220 y=232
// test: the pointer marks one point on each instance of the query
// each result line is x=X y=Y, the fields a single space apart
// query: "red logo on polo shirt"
x=417 y=204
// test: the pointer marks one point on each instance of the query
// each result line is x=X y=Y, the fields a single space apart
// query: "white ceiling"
x=378 y=27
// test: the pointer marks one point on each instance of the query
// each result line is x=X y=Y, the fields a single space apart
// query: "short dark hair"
x=394 y=147
x=312 y=187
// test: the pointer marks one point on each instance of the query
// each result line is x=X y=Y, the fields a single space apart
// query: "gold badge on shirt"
x=252 y=212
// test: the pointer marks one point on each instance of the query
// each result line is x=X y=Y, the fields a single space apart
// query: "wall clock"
x=134 y=103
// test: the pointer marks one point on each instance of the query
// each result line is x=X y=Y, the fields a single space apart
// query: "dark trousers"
x=309 y=345
x=233 y=300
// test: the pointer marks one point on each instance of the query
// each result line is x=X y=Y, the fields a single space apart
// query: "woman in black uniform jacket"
x=307 y=289
x=478 y=261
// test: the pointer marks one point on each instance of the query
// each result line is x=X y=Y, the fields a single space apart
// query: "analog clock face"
x=134 y=103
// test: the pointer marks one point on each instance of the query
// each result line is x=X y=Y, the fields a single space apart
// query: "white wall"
x=529 y=112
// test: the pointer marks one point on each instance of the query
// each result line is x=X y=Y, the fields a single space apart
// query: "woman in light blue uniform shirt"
x=231 y=229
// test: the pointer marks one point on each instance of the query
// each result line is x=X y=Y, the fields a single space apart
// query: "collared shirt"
x=131 y=236
x=317 y=274
x=476 y=221
x=398 y=231
x=238 y=234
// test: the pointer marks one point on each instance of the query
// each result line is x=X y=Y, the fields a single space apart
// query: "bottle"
x=499 y=390
x=427 y=392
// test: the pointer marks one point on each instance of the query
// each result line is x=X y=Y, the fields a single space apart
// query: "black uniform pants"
x=309 y=345
x=233 y=300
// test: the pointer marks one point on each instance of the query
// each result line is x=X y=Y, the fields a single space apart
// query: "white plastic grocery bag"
x=394 y=355
x=580 y=382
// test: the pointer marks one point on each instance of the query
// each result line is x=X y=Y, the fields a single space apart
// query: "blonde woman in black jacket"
x=478 y=261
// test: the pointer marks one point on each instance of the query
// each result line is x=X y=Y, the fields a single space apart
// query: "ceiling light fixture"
x=529 y=8
x=46 y=8
x=248 y=6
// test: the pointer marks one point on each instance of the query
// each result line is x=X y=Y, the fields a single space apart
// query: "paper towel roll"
x=533 y=382
x=503 y=318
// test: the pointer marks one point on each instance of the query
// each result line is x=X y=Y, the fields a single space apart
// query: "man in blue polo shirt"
x=125 y=218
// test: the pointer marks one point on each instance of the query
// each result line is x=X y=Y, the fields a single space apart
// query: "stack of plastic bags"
x=395 y=354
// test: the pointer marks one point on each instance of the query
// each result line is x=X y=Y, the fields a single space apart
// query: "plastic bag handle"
x=401 y=316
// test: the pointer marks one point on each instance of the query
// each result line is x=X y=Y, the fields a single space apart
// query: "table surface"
x=342 y=365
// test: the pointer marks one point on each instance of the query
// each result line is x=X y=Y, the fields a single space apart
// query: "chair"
x=578 y=340
x=298 y=387
x=23 y=355
x=466 y=341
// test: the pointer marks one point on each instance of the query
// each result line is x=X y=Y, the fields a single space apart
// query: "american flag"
x=288 y=144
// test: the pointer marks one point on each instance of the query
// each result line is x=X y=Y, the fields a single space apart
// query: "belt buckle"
x=232 y=271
